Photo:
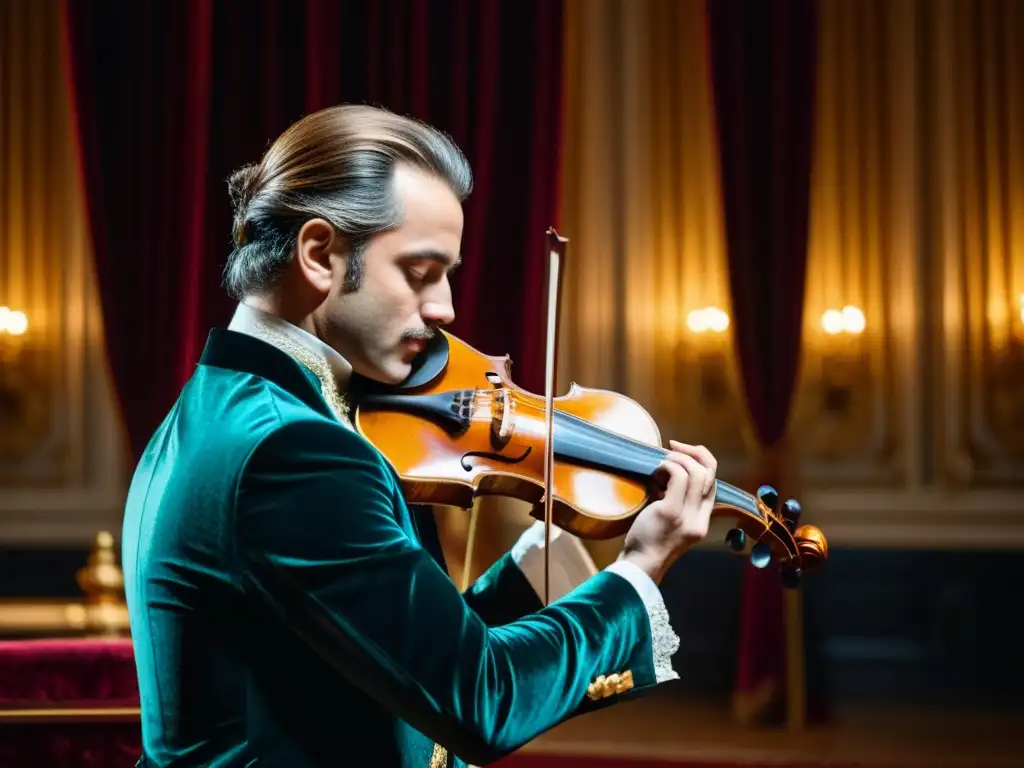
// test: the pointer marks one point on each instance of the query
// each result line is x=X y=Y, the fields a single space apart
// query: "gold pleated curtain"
x=975 y=71
x=640 y=204
x=45 y=269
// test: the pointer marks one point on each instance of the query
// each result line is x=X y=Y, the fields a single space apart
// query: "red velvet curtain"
x=763 y=70
x=171 y=97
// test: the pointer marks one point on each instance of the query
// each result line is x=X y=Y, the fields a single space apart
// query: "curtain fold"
x=763 y=66
x=171 y=97
x=140 y=84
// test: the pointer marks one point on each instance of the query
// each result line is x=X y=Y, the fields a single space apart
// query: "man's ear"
x=315 y=243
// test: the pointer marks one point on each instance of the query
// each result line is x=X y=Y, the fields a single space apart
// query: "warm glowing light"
x=1022 y=307
x=853 y=320
x=846 y=320
x=708 y=320
x=832 y=321
x=12 y=322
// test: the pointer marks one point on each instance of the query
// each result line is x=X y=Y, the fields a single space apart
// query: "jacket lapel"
x=243 y=353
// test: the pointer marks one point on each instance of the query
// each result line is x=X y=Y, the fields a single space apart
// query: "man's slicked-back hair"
x=336 y=164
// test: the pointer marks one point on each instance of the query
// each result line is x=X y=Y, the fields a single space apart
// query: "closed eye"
x=429 y=265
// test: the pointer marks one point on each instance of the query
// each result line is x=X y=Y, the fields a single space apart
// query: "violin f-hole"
x=496 y=456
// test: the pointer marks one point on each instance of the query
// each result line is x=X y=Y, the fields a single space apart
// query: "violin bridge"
x=502 y=415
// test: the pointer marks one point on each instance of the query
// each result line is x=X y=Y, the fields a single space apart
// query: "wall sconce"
x=841 y=371
x=18 y=395
x=708 y=320
x=848 y=320
x=13 y=325
x=709 y=325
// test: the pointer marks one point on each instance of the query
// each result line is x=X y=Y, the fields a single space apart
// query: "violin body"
x=459 y=427
x=475 y=432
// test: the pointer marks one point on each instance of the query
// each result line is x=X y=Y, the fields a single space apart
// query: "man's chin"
x=391 y=374
x=397 y=374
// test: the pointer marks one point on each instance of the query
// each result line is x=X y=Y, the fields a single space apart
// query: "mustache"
x=419 y=334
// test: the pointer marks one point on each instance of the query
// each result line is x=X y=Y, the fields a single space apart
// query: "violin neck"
x=580 y=441
x=728 y=495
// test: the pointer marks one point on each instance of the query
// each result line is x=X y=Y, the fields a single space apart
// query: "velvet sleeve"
x=322 y=546
x=502 y=593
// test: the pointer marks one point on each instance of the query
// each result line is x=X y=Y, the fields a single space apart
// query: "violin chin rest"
x=427 y=366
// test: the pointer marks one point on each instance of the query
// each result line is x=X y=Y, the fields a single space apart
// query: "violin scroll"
x=770 y=534
x=813 y=547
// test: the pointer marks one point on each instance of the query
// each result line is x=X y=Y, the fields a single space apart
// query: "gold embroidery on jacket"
x=439 y=759
x=315 y=363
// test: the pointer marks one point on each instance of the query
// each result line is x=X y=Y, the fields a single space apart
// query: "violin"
x=459 y=427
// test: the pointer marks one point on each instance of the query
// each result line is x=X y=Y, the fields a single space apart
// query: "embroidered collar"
x=329 y=366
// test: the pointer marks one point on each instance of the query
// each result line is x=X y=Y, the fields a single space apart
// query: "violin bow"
x=556 y=259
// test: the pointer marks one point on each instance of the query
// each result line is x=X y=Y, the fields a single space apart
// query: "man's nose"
x=438 y=313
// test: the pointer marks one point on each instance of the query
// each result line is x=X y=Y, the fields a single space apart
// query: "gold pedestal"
x=102 y=611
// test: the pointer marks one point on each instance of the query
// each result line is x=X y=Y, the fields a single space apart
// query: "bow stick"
x=556 y=258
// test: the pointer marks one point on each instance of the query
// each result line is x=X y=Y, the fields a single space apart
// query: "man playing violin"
x=288 y=607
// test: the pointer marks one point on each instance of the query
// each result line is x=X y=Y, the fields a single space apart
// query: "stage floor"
x=667 y=727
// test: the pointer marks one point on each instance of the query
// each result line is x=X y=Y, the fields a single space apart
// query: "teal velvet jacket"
x=289 y=609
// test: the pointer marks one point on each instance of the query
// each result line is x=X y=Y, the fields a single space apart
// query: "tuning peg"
x=760 y=555
x=791 y=578
x=768 y=496
x=791 y=514
x=791 y=510
x=736 y=539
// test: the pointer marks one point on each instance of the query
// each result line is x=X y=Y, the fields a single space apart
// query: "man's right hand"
x=680 y=515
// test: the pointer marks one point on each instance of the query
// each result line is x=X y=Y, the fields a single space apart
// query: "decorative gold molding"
x=1005 y=397
x=923 y=518
x=26 y=403
x=39 y=618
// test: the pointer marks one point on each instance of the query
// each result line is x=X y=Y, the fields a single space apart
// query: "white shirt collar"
x=249 y=319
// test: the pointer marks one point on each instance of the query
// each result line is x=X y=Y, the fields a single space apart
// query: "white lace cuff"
x=571 y=565
x=664 y=639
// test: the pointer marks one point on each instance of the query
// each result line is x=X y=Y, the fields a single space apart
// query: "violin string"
x=486 y=397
